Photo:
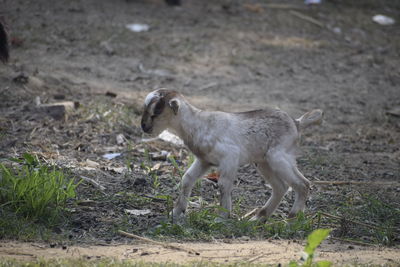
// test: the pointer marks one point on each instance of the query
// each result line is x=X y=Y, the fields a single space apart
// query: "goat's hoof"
x=177 y=217
x=221 y=219
x=179 y=220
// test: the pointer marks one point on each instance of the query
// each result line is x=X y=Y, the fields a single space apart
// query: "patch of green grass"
x=179 y=169
x=206 y=224
x=18 y=227
x=298 y=227
x=33 y=193
x=383 y=217
x=147 y=167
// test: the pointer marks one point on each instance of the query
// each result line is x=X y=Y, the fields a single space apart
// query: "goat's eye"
x=158 y=109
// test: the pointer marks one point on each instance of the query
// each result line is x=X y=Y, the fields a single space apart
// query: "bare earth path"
x=268 y=252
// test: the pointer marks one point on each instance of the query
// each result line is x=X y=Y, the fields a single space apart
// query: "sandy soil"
x=224 y=55
x=268 y=252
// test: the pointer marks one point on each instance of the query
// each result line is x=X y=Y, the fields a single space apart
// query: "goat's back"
x=267 y=128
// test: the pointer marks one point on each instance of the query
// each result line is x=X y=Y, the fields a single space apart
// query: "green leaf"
x=30 y=159
x=293 y=264
x=315 y=238
x=324 y=263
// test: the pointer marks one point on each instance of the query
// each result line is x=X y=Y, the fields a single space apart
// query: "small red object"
x=214 y=176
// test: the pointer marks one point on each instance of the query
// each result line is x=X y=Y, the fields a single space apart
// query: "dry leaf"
x=214 y=176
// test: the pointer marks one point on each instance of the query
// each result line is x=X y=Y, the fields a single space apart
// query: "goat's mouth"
x=146 y=127
x=148 y=130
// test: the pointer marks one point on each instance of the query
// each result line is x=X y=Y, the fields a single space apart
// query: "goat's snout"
x=147 y=127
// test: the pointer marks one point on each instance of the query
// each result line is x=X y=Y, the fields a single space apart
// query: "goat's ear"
x=174 y=104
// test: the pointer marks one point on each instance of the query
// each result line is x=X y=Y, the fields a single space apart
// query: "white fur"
x=228 y=140
x=150 y=97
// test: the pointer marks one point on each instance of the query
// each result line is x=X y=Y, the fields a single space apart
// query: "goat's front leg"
x=195 y=171
x=228 y=170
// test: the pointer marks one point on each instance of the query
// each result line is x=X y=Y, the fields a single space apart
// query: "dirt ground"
x=223 y=55
x=266 y=252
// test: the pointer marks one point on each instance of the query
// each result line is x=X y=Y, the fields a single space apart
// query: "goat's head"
x=160 y=108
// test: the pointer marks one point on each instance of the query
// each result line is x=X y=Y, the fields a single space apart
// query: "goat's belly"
x=255 y=158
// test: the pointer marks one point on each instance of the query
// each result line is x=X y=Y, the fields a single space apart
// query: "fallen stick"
x=257 y=257
x=15 y=253
x=252 y=212
x=93 y=182
x=165 y=245
x=354 y=182
x=352 y=241
x=281 y=6
x=260 y=7
x=306 y=18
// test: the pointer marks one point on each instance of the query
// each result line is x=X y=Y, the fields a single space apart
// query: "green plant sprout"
x=313 y=241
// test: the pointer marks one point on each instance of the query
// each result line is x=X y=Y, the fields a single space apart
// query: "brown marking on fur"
x=164 y=97
x=167 y=95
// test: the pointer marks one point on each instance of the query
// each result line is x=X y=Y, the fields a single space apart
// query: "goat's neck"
x=190 y=123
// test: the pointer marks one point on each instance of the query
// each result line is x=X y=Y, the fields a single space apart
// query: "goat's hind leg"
x=195 y=171
x=301 y=193
x=225 y=184
x=279 y=188
x=284 y=166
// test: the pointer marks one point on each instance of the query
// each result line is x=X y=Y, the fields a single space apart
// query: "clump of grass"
x=298 y=227
x=33 y=192
x=206 y=224
x=18 y=227
x=203 y=224
x=383 y=217
x=386 y=216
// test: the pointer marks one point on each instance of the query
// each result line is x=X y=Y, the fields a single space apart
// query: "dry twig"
x=93 y=182
x=356 y=242
x=354 y=183
x=282 y=6
x=306 y=18
x=257 y=257
x=165 y=245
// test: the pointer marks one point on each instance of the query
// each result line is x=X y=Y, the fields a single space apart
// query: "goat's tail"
x=310 y=118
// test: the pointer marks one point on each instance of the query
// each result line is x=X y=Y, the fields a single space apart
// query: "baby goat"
x=268 y=138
